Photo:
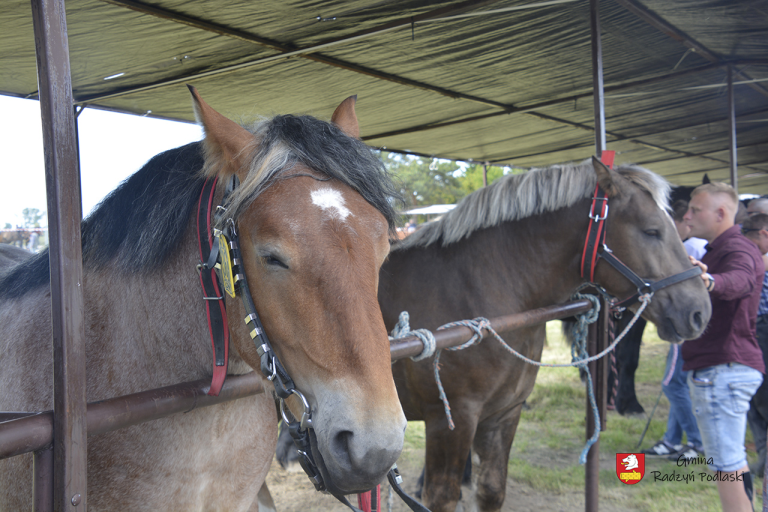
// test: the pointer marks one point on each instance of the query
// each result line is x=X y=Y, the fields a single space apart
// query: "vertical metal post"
x=63 y=191
x=596 y=343
x=732 y=130
x=597 y=77
x=485 y=174
x=598 y=332
x=42 y=485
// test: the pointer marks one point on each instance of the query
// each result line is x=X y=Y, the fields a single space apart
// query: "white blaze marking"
x=330 y=199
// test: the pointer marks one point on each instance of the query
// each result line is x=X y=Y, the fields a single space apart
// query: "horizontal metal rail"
x=412 y=346
x=22 y=432
x=34 y=432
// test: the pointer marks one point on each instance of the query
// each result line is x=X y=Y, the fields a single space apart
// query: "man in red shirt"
x=725 y=363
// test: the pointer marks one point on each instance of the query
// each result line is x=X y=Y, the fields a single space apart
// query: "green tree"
x=423 y=181
x=472 y=176
x=32 y=217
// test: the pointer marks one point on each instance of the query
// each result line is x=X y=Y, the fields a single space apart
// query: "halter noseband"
x=595 y=248
x=222 y=259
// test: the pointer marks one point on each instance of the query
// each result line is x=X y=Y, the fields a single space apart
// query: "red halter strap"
x=212 y=292
x=596 y=231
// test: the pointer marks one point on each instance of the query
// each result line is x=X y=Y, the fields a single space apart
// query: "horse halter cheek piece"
x=222 y=259
x=595 y=248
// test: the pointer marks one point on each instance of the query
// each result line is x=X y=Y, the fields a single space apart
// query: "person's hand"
x=704 y=275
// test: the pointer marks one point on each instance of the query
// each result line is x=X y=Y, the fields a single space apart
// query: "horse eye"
x=271 y=260
x=653 y=233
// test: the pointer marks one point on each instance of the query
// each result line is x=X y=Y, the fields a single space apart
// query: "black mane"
x=139 y=223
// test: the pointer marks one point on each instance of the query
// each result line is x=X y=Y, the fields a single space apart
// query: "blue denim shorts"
x=720 y=396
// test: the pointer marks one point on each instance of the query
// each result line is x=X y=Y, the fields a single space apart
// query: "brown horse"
x=314 y=218
x=513 y=246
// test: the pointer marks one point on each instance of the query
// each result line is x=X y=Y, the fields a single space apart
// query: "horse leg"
x=264 y=501
x=493 y=441
x=446 y=457
x=628 y=358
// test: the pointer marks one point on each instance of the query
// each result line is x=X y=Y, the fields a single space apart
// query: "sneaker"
x=688 y=452
x=664 y=449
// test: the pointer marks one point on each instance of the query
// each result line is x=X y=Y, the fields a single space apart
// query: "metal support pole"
x=63 y=191
x=596 y=343
x=597 y=77
x=42 y=485
x=732 y=130
x=485 y=174
x=597 y=336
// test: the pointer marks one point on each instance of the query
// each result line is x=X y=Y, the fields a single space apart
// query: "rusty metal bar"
x=42 y=485
x=63 y=192
x=732 y=132
x=33 y=433
x=411 y=346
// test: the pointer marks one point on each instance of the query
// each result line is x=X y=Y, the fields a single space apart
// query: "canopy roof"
x=507 y=82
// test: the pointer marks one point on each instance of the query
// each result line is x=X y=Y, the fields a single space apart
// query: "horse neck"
x=150 y=326
x=540 y=255
x=514 y=266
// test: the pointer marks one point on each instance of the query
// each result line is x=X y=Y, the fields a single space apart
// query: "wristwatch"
x=711 y=282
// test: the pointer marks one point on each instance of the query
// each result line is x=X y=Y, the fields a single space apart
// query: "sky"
x=112 y=147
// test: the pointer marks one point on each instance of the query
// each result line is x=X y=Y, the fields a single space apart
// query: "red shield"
x=630 y=467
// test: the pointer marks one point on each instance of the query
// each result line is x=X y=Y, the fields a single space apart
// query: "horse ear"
x=225 y=140
x=344 y=117
x=605 y=177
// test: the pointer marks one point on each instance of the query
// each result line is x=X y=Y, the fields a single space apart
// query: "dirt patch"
x=292 y=491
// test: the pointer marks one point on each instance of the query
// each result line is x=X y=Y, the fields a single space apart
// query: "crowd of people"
x=714 y=384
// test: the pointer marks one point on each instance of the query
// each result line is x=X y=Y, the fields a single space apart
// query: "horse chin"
x=667 y=332
x=340 y=482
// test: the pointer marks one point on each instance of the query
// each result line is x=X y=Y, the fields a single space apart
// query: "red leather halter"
x=212 y=292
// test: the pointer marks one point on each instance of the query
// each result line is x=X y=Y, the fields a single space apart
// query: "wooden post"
x=64 y=215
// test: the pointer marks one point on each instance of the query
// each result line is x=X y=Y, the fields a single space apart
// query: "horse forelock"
x=287 y=141
x=519 y=196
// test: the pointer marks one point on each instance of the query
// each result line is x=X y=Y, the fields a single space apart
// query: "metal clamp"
x=306 y=416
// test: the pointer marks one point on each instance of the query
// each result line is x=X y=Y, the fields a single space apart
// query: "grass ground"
x=552 y=431
x=544 y=473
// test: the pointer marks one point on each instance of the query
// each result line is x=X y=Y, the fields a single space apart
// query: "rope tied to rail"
x=403 y=330
x=579 y=355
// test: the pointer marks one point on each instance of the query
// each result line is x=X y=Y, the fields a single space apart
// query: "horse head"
x=641 y=233
x=313 y=221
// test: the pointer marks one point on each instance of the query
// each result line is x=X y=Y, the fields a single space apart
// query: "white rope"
x=403 y=330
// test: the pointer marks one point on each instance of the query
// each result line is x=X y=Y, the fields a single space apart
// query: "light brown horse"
x=314 y=218
x=514 y=246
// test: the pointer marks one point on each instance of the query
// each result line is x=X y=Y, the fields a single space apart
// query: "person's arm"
x=736 y=278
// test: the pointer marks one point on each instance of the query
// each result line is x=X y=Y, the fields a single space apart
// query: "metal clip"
x=306 y=415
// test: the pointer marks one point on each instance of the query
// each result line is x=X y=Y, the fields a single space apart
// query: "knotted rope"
x=579 y=355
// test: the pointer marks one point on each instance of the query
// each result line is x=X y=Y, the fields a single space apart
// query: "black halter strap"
x=595 y=249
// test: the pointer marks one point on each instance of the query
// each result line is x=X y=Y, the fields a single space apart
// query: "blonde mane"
x=518 y=196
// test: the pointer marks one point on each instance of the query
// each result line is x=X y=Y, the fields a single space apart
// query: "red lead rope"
x=370 y=501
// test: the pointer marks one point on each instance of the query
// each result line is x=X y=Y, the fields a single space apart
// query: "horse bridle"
x=595 y=249
x=221 y=259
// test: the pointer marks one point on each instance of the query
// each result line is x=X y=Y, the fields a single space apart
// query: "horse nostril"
x=696 y=320
x=341 y=445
